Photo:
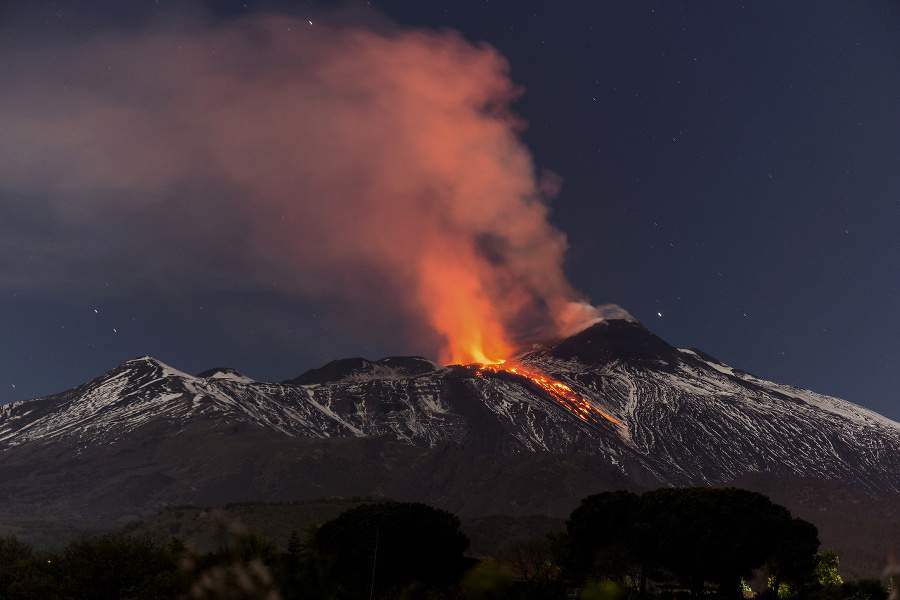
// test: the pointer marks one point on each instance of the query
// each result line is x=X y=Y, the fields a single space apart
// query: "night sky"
x=730 y=175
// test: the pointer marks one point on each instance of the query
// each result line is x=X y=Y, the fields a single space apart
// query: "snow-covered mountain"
x=685 y=418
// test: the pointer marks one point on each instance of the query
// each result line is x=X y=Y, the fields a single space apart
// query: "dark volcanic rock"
x=146 y=434
x=223 y=372
x=336 y=370
x=361 y=369
x=409 y=366
x=616 y=340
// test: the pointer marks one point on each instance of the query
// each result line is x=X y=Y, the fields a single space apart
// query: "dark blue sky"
x=731 y=177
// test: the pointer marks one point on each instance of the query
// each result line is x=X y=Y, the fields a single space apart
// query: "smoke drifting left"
x=382 y=172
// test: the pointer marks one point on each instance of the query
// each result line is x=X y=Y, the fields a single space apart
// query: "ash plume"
x=378 y=171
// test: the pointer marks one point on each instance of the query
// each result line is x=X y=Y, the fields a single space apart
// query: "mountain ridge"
x=686 y=418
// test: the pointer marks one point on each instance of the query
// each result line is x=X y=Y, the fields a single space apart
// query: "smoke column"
x=381 y=172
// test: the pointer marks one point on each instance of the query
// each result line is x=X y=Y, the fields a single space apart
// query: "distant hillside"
x=862 y=531
x=208 y=527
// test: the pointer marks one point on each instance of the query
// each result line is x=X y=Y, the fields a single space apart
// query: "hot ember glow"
x=565 y=395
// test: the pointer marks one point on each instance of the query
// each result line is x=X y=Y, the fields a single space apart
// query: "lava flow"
x=565 y=395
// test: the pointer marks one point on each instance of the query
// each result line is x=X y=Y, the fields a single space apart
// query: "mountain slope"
x=669 y=417
x=709 y=422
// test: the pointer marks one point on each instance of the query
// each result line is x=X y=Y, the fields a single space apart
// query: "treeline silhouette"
x=667 y=543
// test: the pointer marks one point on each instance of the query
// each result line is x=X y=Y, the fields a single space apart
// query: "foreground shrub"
x=388 y=546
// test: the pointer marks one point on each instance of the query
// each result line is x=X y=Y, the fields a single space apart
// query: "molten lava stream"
x=563 y=393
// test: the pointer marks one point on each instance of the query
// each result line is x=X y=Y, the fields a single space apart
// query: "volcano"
x=472 y=438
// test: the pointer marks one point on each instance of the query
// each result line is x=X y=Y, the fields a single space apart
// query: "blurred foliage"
x=826 y=570
x=822 y=583
x=487 y=581
x=602 y=590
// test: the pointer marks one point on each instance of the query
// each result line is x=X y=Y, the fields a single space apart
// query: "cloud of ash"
x=380 y=173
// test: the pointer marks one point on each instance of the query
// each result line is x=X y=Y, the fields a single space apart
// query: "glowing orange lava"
x=565 y=395
x=462 y=306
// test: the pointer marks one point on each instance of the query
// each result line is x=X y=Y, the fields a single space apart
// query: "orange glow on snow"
x=566 y=396
x=463 y=309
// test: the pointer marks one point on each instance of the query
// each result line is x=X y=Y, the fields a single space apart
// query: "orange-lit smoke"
x=382 y=172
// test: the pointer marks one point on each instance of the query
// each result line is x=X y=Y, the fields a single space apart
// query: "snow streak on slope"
x=700 y=421
x=689 y=418
x=143 y=390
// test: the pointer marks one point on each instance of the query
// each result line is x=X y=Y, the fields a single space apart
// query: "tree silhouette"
x=698 y=535
x=113 y=566
x=21 y=576
x=605 y=534
x=793 y=564
x=384 y=547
